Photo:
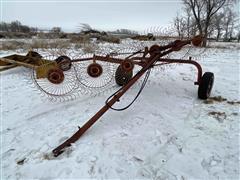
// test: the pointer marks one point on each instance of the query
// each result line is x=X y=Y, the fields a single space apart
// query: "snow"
x=167 y=133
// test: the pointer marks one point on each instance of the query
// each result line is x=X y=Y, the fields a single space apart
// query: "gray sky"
x=104 y=15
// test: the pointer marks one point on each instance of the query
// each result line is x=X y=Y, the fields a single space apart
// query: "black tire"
x=205 y=86
x=64 y=63
x=122 y=77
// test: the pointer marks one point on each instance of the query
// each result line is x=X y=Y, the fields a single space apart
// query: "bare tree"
x=15 y=26
x=203 y=12
x=56 y=30
x=188 y=21
x=185 y=25
x=238 y=36
x=85 y=27
x=229 y=20
x=180 y=24
x=4 y=27
x=217 y=25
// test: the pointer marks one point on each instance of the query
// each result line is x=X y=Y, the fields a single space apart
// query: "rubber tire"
x=122 y=77
x=205 y=86
x=64 y=66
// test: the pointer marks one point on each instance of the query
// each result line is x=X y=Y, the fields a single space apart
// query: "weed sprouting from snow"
x=211 y=100
x=220 y=116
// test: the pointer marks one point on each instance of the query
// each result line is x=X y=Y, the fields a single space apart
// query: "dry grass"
x=110 y=39
x=87 y=47
x=220 y=116
x=233 y=102
x=80 y=39
x=218 y=98
x=224 y=45
x=46 y=44
x=84 y=44
x=83 y=39
x=211 y=100
x=13 y=45
x=21 y=161
x=35 y=44
x=76 y=40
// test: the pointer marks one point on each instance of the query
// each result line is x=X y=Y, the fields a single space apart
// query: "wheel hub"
x=127 y=65
x=94 y=70
x=55 y=76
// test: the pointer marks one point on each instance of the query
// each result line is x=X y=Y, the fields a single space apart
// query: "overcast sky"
x=104 y=15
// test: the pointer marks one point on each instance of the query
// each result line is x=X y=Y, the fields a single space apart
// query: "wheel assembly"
x=122 y=77
x=64 y=63
x=94 y=70
x=94 y=74
x=55 y=76
x=205 y=86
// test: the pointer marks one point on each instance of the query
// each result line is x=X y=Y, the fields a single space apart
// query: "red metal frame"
x=197 y=65
x=155 y=54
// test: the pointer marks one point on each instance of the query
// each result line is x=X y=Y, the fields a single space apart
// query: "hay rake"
x=60 y=77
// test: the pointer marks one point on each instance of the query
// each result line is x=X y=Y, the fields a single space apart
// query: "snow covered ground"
x=168 y=133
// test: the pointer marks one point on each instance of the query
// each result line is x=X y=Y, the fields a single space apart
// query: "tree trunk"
x=205 y=36
x=204 y=44
x=218 y=35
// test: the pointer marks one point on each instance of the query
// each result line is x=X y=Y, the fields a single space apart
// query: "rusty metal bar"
x=82 y=59
x=115 y=60
x=197 y=65
x=18 y=63
x=7 y=67
x=109 y=59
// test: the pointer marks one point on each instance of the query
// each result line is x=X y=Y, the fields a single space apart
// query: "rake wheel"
x=50 y=88
x=94 y=75
x=58 y=83
x=122 y=77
